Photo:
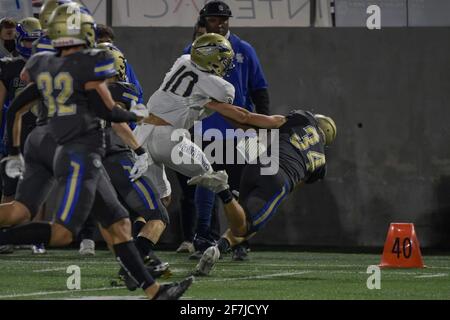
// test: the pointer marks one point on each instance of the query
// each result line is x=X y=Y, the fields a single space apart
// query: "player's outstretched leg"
x=129 y=258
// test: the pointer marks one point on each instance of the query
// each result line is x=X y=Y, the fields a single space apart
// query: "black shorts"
x=139 y=197
x=81 y=179
x=37 y=180
x=260 y=195
x=9 y=185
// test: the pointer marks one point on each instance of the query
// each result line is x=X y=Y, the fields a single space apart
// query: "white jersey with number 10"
x=184 y=92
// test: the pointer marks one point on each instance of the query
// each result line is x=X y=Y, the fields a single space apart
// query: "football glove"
x=140 y=166
x=15 y=166
x=140 y=110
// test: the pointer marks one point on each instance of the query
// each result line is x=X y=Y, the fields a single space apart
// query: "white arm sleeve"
x=218 y=89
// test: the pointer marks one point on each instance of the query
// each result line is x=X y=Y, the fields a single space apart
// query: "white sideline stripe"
x=253 y=277
x=433 y=275
x=45 y=293
x=49 y=270
x=198 y=279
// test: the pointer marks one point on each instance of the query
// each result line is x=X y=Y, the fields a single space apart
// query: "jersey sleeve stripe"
x=104 y=67
x=130 y=96
x=106 y=74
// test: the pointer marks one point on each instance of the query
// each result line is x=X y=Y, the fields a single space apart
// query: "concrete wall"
x=389 y=93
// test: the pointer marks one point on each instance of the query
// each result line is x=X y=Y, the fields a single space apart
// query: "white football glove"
x=15 y=166
x=140 y=166
x=140 y=110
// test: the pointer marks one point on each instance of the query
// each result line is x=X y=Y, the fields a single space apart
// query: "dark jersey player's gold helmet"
x=213 y=53
x=119 y=59
x=327 y=126
x=46 y=11
x=70 y=25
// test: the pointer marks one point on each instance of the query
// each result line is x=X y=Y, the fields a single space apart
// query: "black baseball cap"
x=216 y=9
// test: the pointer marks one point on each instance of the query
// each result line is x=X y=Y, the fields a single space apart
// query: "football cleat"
x=159 y=269
x=38 y=249
x=207 y=261
x=215 y=181
x=239 y=253
x=156 y=268
x=186 y=246
x=87 y=247
x=173 y=291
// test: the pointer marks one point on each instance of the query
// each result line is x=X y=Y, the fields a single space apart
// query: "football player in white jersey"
x=192 y=90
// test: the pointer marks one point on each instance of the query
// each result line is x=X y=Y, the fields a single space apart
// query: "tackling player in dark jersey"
x=302 y=139
x=138 y=195
x=65 y=81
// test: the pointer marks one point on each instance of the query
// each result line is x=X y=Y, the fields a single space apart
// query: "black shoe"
x=156 y=268
x=240 y=253
x=174 y=290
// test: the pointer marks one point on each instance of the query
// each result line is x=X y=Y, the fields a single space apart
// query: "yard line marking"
x=50 y=270
x=227 y=263
x=45 y=293
x=432 y=275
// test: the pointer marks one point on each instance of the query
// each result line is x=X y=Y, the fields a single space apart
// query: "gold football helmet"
x=71 y=24
x=327 y=126
x=119 y=59
x=46 y=11
x=213 y=53
x=27 y=30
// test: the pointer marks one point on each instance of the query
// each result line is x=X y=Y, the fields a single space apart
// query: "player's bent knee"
x=14 y=213
x=120 y=231
x=61 y=236
x=160 y=215
x=22 y=212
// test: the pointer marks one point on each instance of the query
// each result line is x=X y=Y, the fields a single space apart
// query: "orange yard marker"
x=401 y=249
